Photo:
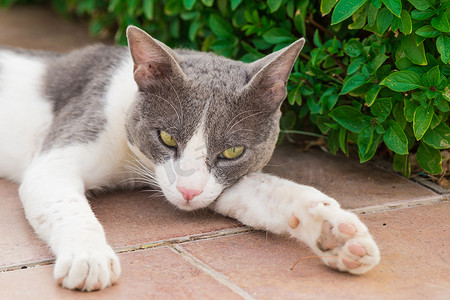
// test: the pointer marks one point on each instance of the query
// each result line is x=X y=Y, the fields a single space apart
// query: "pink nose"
x=188 y=194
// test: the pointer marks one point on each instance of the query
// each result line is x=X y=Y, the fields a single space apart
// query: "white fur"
x=267 y=202
x=25 y=117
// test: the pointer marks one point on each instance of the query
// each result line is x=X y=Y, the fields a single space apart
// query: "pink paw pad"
x=351 y=264
x=357 y=250
x=347 y=228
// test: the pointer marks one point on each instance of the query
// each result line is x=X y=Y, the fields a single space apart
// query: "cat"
x=197 y=126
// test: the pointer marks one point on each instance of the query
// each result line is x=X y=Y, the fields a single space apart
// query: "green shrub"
x=373 y=72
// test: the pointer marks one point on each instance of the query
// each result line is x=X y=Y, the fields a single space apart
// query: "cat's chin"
x=194 y=204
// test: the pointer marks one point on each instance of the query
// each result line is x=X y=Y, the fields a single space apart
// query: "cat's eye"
x=233 y=152
x=167 y=139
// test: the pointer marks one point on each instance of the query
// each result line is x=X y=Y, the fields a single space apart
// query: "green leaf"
x=355 y=65
x=349 y=117
x=220 y=27
x=406 y=23
x=422 y=15
x=384 y=20
x=333 y=141
x=420 y=4
x=274 y=5
x=427 y=31
x=441 y=22
x=399 y=115
x=344 y=9
x=299 y=23
x=372 y=13
x=429 y=159
x=433 y=76
x=403 y=63
x=395 y=6
x=415 y=53
x=193 y=29
x=343 y=140
x=208 y=3
x=446 y=93
x=235 y=4
x=443 y=46
x=352 y=82
x=278 y=35
x=403 y=81
x=402 y=164
x=439 y=137
x=326 y=6
x=148 y=7
x=422 y=120
x=376 y=3
x=189 y=4
x=365 y=141
x=353 y=48
x=377 y=62
x=173 y=7
x=395 y=139
x=381 y=108
x=410 y=109
x=372 y=94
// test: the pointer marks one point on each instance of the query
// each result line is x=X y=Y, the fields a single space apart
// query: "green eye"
x=167 y=139
x=233 y=152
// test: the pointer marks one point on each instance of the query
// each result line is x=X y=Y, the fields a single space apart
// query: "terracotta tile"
x=132 y=218
x=18 y=242
x=414 y=244
x=353 y=184
x=150 y=274
x=128 y=218
x=38 y=27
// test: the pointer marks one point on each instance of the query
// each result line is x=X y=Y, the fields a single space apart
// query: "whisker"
x=168 y=102
x=241 y=120
x=237 y=116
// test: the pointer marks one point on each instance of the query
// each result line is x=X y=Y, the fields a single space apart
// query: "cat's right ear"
x=153 y=60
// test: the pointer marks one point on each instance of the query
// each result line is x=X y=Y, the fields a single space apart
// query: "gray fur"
x=76 y=84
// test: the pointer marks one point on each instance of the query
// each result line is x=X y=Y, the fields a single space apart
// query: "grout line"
x=157 y=244
x=397 y=205
x=28 y=265
x=186 y=239
x=220 y=277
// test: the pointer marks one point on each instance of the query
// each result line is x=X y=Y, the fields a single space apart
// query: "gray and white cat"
x=198 y=126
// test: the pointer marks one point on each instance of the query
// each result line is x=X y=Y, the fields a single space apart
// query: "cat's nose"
x=188 y=194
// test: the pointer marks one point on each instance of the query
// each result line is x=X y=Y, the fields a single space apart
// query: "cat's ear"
x=271 y=73
x=152 y=59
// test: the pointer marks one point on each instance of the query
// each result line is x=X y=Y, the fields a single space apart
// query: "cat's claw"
x=343 y=241
x=87 y=269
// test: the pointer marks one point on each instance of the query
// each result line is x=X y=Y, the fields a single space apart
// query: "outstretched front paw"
x=339 y=238
x=87 y=269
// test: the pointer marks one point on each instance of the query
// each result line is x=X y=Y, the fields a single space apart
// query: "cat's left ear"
x=271 y=73
x=153 y=60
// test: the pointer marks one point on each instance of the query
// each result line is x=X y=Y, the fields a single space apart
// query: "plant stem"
x=304 y=133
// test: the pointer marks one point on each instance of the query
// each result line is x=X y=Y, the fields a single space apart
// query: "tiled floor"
x=169 y=254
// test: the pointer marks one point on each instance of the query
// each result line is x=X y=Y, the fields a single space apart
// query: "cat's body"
x=198 y=126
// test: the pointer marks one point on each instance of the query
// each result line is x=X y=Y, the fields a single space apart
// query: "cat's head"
x=202 y=121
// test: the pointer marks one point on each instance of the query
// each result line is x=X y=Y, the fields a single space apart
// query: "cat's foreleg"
x=52 y=193
x=281 y=206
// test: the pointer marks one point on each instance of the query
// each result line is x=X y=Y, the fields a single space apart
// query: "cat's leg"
x=52 y=193
x=281 y=206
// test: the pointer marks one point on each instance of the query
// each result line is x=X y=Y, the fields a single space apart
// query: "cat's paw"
x=87 y=269
x=340 y=238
